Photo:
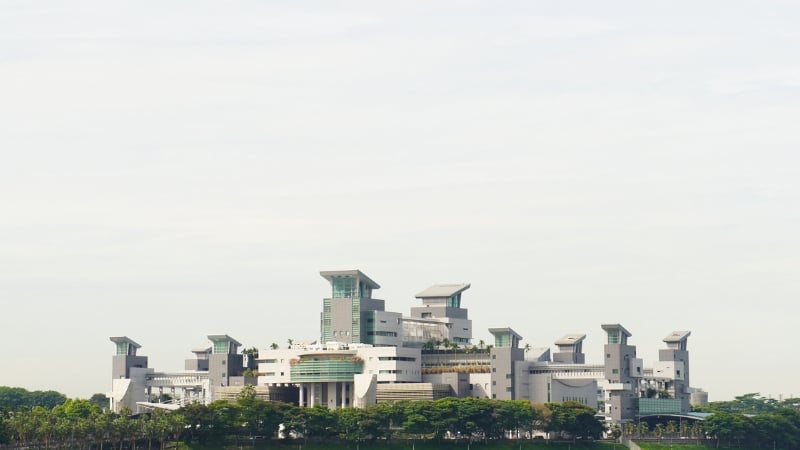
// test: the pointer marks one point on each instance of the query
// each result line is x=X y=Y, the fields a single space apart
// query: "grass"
x=407 y=445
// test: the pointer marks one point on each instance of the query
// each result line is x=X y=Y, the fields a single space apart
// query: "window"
x=508 y=376
x=426 y=315
x=508 y=389
x=494 y=369
x=614 y=370
x=344 y=287
x=494 y=383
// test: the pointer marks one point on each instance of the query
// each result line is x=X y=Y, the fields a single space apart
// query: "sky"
x=171 y=170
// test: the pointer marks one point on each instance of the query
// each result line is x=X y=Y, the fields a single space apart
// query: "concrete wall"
x=502 y=375
x=342 y=320
x=121 y=365
x=223 y=366
x=623 y=387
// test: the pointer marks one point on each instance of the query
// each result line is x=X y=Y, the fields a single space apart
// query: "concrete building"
x=138 y=387
x=366 y=354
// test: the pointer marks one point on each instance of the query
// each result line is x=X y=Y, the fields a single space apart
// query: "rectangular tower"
x=125 y=357
x=440 y=317
x=622 y=371
x=678 y=356
x=504 y=358
x=225 y=361
x=345 y=314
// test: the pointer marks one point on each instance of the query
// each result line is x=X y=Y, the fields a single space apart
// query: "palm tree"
x=671 y=428
x=643 y=429
x=290 y=342
x=273 y=346
x=629 y=428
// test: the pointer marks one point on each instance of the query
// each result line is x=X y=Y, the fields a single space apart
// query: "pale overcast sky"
x=177 y=169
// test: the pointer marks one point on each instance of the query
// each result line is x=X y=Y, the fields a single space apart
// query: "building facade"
x=366 y=354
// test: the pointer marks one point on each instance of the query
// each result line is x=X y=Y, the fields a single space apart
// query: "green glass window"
x=220 y=347
x=122 y=348
x=344 y=287
x=613 y=336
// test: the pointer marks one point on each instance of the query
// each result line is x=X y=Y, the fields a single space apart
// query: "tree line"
x=755 y=422
x=80 y=424
x=12 y=398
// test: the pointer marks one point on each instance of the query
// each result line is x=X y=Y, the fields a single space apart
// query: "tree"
x=658 y=431
x=273 y=346
x=574 y=418
x=684 y=429
x=671 y=428
x=4 y=432
x=348 y=423
x=616 y=431
x=629 y=428
x=12 y=398
x=728 y=427
x=99 y=400
x=643 y=429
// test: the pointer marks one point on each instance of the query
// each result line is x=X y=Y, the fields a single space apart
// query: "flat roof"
x=443 y=290
x=570 y=339
x=330 y=274
x=616 y=326
x=124 y=339
x=677 y=336
x=223 y=337
x=496 y=331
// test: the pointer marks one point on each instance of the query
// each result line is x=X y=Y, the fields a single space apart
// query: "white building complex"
x=367 y=355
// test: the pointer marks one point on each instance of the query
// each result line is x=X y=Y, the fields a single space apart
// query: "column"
x=302 y=395
x=312 y=396
x=344 y=393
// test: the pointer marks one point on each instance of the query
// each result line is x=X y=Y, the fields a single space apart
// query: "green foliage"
x=575 y=419
x=78 y=423
x=99 y=400
x=752 y=403
x=12 y=398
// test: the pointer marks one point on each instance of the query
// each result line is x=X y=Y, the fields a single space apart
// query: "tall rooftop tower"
x=344 y=313
x=570 y=349
x=674 y=363
x=125 y=357
x=440 y=316
x=622 y=372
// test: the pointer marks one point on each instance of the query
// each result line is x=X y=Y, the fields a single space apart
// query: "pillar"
x=302 y=401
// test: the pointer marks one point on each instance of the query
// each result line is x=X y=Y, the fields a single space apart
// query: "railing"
x=165 y=380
